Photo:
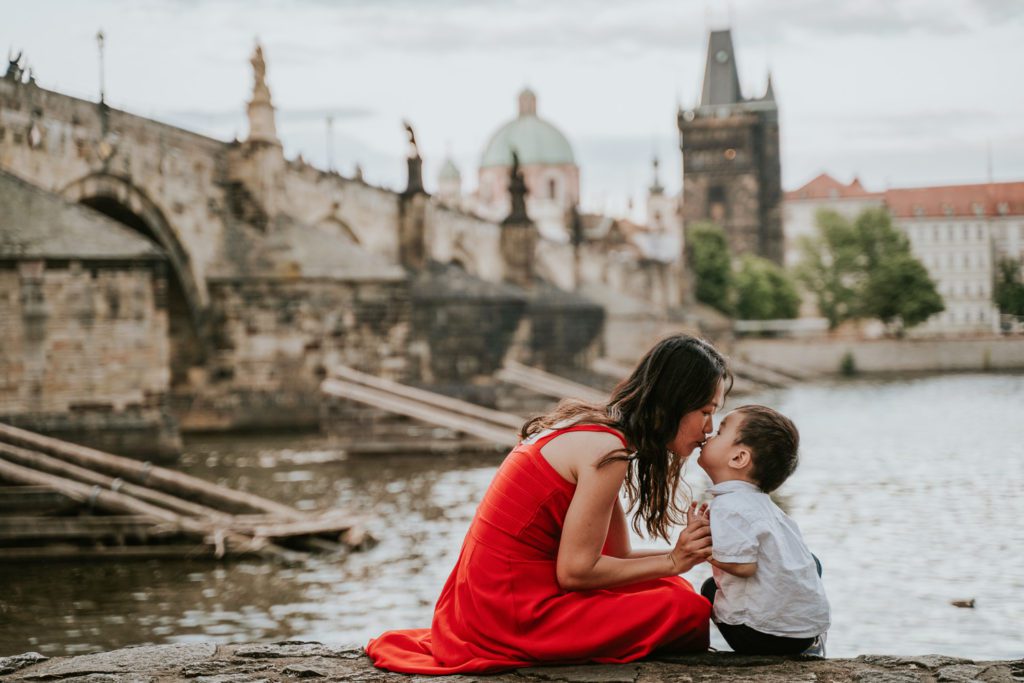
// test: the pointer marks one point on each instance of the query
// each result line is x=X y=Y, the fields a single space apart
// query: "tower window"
x=552 y=188
x=716 y=203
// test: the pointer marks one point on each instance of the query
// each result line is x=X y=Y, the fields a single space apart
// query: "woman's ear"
x=740 y=458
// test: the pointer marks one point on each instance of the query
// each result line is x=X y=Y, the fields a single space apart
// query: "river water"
x=911 y=492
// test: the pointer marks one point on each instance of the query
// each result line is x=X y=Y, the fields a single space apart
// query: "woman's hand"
x=694 y=543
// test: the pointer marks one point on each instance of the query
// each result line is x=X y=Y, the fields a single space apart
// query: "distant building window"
x=981 y=233
x=552 y=188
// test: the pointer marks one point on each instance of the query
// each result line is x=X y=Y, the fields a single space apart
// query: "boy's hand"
x=695 y=513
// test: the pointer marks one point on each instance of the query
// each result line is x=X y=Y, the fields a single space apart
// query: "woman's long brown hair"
x=679 y=375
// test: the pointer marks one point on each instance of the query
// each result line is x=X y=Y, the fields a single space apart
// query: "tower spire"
x=656 y=187
x=721 y=80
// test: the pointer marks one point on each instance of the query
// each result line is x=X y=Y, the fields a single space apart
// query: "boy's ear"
x=740 y=458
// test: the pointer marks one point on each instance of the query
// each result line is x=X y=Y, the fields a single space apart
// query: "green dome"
x=534 y=139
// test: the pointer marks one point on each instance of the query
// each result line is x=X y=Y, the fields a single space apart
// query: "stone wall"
x=885 y=355
x=464 y=326
x=84 y=354
x=274 y=341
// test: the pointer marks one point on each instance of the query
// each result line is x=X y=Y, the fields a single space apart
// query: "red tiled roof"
x=983 y=199
x=827 y=187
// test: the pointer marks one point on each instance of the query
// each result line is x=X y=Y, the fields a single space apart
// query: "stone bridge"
x=277 y=269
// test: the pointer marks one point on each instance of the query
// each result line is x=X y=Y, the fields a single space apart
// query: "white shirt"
x=785 y=596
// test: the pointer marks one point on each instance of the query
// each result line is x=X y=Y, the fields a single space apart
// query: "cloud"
x=222 y=117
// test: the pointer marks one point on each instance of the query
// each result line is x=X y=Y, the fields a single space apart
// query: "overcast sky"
x=899 y=92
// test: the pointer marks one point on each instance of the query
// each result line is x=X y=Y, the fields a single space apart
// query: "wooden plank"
x=47 y=463
x=420 y=411
x=223 y=539
x=36 y=499
x=328 y=524
x=548 y=384
x=146 y=474
x=58 y=552
x=87 y=527
x=429 y=397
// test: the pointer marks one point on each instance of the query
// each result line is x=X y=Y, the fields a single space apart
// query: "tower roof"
x=449 y=171
x=535 y=140
x=721 y=80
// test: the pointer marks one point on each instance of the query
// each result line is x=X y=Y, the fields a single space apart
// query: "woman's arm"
x=588 y=522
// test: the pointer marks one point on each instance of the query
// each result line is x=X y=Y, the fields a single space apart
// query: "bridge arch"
x=188 y=301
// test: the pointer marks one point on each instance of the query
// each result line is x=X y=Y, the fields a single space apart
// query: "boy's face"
x=721 y=457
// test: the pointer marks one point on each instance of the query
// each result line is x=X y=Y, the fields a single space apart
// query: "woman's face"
x=695 y=426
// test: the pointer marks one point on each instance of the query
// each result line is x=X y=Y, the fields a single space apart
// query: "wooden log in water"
x=46 y=463
x=87 y=527
x=38 y=500
x=222 y=538
x=548 y=384
x=146 y=474
x=432 y=398
x=66 y=551
x=421 y=410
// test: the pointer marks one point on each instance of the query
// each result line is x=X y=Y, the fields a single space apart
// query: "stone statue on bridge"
x=414 y=162
x=15 y=72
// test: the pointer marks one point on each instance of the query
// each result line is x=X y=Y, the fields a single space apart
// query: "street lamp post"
x=99 y=41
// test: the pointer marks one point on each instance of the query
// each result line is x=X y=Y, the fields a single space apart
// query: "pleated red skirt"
x=502 y=607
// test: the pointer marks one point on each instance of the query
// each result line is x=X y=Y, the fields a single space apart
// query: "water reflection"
x=906 y=490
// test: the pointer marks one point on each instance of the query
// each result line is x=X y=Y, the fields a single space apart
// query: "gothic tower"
x=731 y=169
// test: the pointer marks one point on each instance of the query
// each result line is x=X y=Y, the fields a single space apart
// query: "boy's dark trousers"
x=745 y=640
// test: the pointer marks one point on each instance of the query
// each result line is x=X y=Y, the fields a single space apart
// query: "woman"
x=546 y=573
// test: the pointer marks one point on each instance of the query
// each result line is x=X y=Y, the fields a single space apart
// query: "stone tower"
x=731 y=169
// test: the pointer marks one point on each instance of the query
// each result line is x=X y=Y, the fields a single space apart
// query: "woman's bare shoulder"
x=583 y=446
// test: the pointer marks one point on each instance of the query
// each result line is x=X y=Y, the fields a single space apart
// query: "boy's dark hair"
x=773 y=440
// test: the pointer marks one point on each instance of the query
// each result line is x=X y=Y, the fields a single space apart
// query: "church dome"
x=535 y=140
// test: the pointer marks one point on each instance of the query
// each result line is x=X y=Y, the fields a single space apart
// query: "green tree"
x=707 y=252
x=831 y=267
x=1009 y=290
x=764 y=291
x=900 y=293
x=865 y=269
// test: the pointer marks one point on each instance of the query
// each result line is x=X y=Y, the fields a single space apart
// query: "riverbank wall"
x=291 y=660
x=882 y=356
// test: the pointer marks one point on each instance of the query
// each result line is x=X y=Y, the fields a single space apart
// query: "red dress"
x=502 y=606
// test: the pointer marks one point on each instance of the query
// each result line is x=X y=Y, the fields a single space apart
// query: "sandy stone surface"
x=294 y=661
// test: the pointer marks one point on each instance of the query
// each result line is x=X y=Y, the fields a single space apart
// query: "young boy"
x=766 y=592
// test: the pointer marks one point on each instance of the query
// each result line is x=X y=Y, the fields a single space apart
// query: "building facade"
x=958 y=232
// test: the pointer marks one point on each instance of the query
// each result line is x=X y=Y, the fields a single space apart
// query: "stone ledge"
x=295 y=660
